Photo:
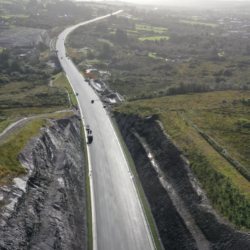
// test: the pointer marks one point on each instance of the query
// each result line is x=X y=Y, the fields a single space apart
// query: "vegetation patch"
x=153 y=38
x=9 y=150
x=245 y=123
x=62 y=80
x=227 y=189
x=199 y=23
x=6 y=123
x=24 y=98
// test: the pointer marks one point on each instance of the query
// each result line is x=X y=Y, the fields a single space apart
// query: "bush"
x=4 y=80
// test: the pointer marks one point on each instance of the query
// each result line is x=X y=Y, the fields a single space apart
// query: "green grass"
x=195 y=22
x=221 y=54
x=6 y=123
x=105 y=41
x=140 y=190
x=88 y=196
x=228 y=124
x=9 y=150
x=153 y=55
x=19 y=16
x=153 y=38
x=149 y=28
x=62 y=80
x=24 y=98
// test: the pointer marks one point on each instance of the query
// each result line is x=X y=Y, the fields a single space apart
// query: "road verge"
x=143 y=201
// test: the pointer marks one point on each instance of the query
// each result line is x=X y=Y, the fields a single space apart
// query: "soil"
x=22 y=36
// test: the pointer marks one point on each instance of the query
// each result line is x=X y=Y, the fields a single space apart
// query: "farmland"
x=200 y=23
x=153 y=38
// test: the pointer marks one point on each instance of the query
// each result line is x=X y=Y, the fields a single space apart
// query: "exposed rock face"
x=184 y=217
x=46 y=208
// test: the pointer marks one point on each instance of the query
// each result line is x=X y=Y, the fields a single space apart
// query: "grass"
x=105 y=41
x=149 y=28
x=10 y=167
x=6 y=123
x=200 y=23
x=228 y=124
x=88 y=196
x=140 y=190
x=24 y=98
x=153 y=38
x=153 y=55
x=18 y=16
x=62 y=81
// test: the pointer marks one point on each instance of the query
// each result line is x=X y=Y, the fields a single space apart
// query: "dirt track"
x=20 y=124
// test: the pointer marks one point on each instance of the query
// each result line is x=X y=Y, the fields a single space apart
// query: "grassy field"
x=10 y=167
x=19 y=16
x=153 y=38
x=153 y=55
x=6 y=123
x=62 y=81
x=150 y=28
x=31 y=98
x=105 y=41
x=228 y=124
x=200 y=23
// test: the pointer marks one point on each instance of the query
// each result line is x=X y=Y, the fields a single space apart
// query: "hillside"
x=223 y=116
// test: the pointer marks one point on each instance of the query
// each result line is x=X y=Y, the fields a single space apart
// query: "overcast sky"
x=174 y=2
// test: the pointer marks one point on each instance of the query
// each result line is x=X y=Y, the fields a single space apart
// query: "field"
x=19 y=16
x=225 y=117
x=106 y=41
x=153 y=55
x=28 y=99
x=153 y=38
x=200 y=23
x=150 y=28
x=60 y=80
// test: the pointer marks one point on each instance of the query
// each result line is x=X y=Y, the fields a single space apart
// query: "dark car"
x=90 y=139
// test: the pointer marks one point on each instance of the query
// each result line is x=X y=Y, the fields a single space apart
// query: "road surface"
x=120 y=223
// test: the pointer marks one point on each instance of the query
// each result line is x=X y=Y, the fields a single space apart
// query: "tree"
x=121 y=36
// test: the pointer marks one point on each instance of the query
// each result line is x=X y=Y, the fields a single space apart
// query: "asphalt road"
x=120 y=223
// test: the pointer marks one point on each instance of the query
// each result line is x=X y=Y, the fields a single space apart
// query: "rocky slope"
x=45 y=209
x=183 y=215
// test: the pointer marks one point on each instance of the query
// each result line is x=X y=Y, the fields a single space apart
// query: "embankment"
x=45 y=209
x=184 y=217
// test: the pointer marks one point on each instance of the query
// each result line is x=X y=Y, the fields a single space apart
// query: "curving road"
x=118 y=220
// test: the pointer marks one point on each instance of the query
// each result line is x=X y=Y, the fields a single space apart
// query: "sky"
x=173 y=2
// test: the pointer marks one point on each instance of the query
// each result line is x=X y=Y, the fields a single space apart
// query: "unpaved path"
x=15 y=126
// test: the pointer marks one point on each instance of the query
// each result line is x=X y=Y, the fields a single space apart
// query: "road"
x=120 y=222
